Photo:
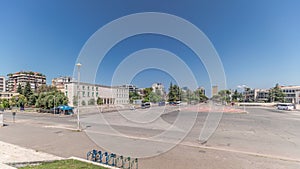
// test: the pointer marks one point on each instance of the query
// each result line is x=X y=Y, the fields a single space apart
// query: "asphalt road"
x=262 y=138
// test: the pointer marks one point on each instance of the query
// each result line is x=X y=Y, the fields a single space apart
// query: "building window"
x=92 y=94
x=83 y=94
x=96 y=94
x=88 y=94
x=83 y=87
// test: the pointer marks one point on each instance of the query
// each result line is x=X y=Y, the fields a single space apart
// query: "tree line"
x=45 y=97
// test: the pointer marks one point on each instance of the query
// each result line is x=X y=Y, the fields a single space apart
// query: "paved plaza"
x=260 y=138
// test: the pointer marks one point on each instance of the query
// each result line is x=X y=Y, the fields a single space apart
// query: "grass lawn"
x=64 y=164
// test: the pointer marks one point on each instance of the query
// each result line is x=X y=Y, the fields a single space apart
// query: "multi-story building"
x=215 y=90
x=257 y=95
x=158 y=87
x=131 y=87
x=89 y=93
x=60 y=82
x=7 y=95
x=35 y=80
x=2 y=84
x=291 y=93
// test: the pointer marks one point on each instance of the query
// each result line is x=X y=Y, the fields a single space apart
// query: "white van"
x=285 y=106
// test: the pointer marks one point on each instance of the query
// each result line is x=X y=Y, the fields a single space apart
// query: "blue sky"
x=257 y=41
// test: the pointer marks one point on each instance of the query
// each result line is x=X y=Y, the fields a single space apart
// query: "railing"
x=112 y=159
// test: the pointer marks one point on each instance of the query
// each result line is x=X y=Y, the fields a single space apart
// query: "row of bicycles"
x=112 y=159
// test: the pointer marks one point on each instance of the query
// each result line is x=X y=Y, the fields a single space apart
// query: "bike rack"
x=112 y=159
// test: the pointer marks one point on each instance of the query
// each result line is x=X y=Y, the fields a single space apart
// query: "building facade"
x=256 y=95
x=158 y=88
x=215 y=90
x=291 y=93
x=131 y=88
x=35 y=80
x=7 y=95
x=2 y=84
x=60 y=82
x=89 y=93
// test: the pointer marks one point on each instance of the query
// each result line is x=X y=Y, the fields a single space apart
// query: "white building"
x=89 y=93
x=257 y=95
x=158 y=87
x=291 y=93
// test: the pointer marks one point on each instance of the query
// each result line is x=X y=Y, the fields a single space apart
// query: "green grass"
x=64 y=164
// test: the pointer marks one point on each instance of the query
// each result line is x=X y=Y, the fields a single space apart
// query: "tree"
x=32 y=99
x=27 y=91
x=276 y=94
x=174 y=93
x=99 y=101
x=147 y=92
x=134 y=96
x=75 y=100
x=21 y=100
x=91 y=101
x=19 y=89
x=154 y=97
x=83 y=103
x=237 y=96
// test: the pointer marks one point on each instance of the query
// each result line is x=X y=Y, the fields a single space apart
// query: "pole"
x=78 y=95
x=54 y=105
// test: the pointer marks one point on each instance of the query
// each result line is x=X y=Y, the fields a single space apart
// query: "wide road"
x=261 y=138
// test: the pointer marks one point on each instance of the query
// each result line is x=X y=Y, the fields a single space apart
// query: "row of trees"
x=175 y=93
x=189 y=96
x=275 y=95
x=45 y=97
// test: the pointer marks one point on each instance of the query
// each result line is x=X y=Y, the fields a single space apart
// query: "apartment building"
x=131 y=87
x=60 y=82
x=158 y=87
x=89 y=93
x=291 y=93
x=257 y=95
x=2 y=84
x=35 y=80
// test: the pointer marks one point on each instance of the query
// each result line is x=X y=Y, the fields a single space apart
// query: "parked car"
x=285 y=106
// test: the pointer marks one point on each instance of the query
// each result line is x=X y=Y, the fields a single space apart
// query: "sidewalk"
x=10 y=153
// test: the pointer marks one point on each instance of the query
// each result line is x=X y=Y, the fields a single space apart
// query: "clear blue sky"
x=258 y=41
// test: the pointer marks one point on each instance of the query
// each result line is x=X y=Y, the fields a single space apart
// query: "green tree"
x=27 y=90
x=134 y=96
x=276 y=94
x=174 y=93
x=236 y=96
x=75 y=100
x=20 y=100
x=147 y=92
x=99 y=101
x=83 y=103
x=91 y=101
x=154 y=97
x=19 y=89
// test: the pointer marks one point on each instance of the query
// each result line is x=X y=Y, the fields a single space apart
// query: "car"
x=285 y=106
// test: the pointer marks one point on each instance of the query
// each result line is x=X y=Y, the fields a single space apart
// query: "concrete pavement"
x=263 y=138
x=11 y=154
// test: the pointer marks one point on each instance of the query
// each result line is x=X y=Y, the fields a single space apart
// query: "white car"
x=285 y=106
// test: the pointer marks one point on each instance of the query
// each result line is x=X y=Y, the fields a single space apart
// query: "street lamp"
x=78 y=103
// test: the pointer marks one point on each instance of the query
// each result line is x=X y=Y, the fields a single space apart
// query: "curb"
x=94 y=163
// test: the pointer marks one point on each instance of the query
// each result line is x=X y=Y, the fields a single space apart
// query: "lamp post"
x=78 y=100
x=54 y=105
